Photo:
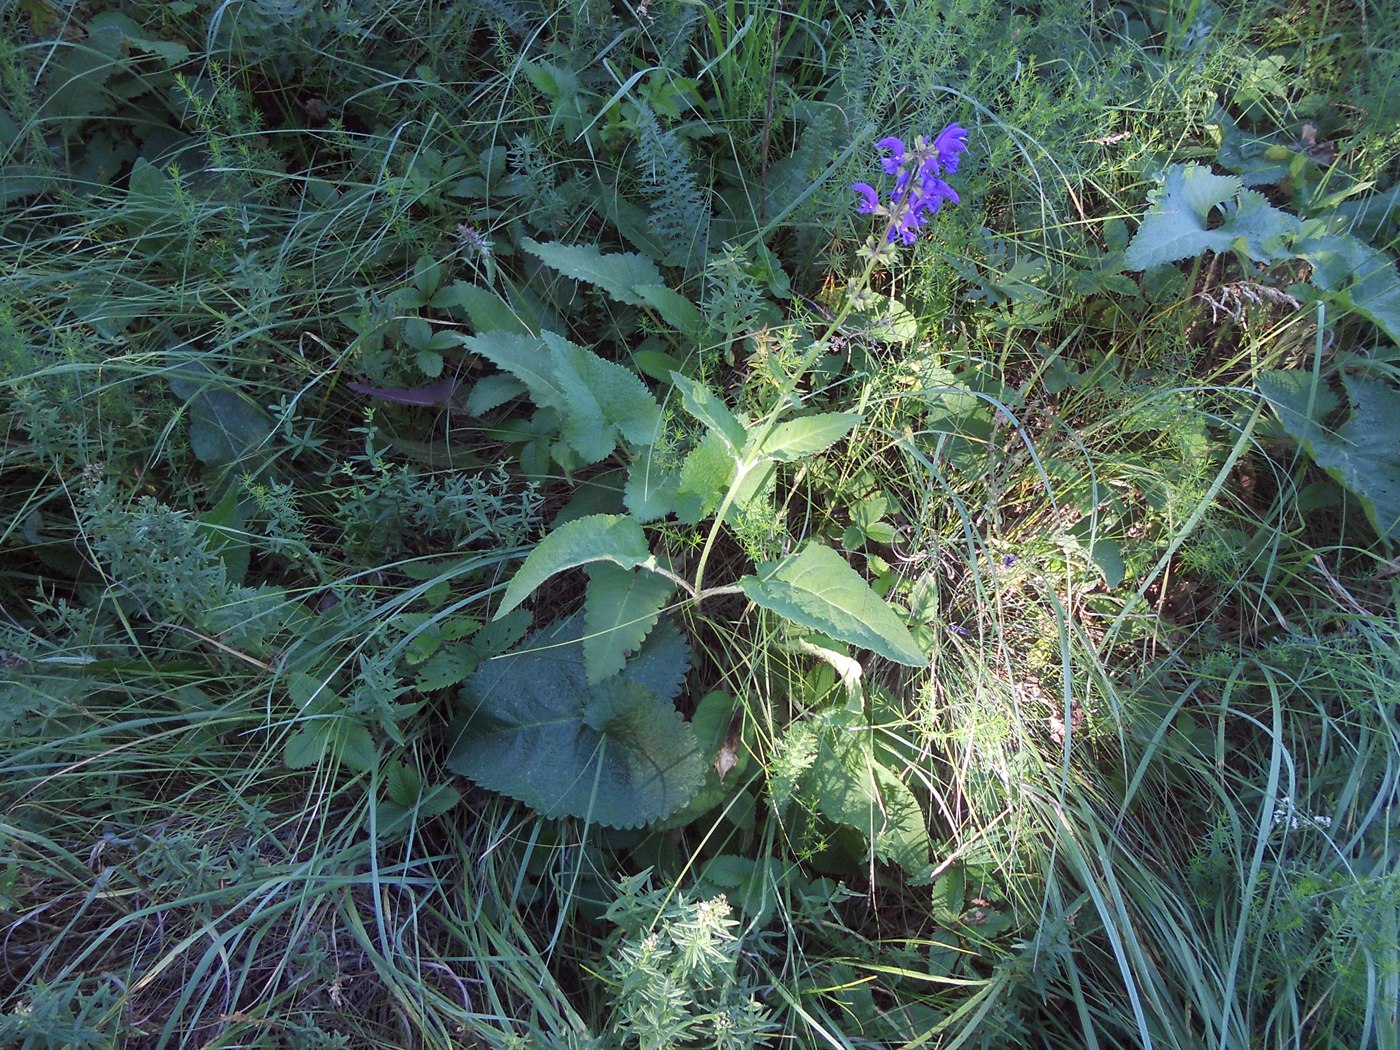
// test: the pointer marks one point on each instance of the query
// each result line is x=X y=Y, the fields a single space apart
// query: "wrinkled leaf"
x=1363 y=455
x=618 y=754
x=620 y=608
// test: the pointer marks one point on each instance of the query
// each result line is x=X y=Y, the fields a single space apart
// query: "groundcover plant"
x=750 y=524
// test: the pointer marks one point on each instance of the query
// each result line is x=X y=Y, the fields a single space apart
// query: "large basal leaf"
x=225 y=424
x=618 y=754
x=1363 y=455
x=1178 y=225
x=617 y=273
x=817 y=589
x=619 y=610
x=612 y=538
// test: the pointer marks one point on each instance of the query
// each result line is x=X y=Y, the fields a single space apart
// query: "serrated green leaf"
x=486 y=310
x=799 y=438
x=1259 y=230
x=705 y=477
x=726 y=744
x=701 y=402
x=618 y=273
x=402 y=783
x=650 y=492
x=1176 y=225
x=447 y=667
x=619 y=755
x=1358 y=276
x=306 y=746
x=1363 y=455
x=523 y=356
x=817 y=589
x=620 y=608
x=613 y=538
x=583 y=426
x=493 y=391
x=353 y=746
x=596 y=400
x=429 y=362
x=626 y=402
x=852 y=788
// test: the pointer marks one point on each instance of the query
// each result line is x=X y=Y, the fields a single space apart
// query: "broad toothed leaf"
x=617 y=273
x=817 y=589
x=800 y=438
x=618 y=754
x=619 y=610
x=613 y=538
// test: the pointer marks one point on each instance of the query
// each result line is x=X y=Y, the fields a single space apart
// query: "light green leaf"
x=429 y=362
x=800 y=438
x=618 y=273
x=620 y=608
x=852 y=788
x=449 y=666
x=1359 y=277
x=674 y=308
x=306 y=746
x=650 y=492
x=354 y=747
x=583 y=426
x=1261 y=231
x=486 y=310
x=700 y=401
x=626 y=402
x=1175 y=227
x=705 y=476
x=613 y=538
x=888 y=320
x=523 y=356
x=1178 y=225
x=817 y=589
x=493 y=391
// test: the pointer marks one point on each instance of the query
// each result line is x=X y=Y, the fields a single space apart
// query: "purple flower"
x=951 y=141
x=896 y=147
x=919 y=189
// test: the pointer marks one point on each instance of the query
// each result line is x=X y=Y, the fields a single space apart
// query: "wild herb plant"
x=1003 y=622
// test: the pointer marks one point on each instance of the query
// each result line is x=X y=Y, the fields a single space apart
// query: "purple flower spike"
x=919 y=189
